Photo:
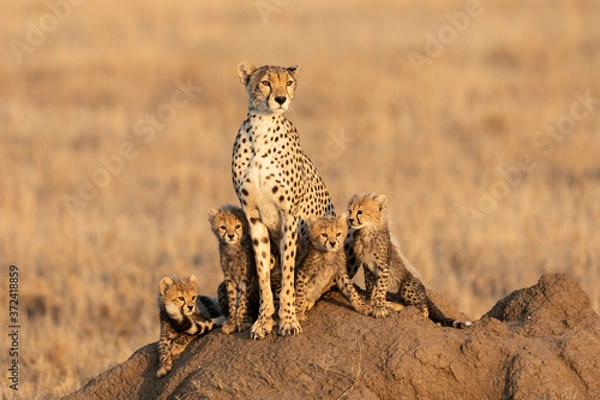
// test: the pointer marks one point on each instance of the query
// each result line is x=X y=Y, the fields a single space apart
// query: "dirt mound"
x=542 y=342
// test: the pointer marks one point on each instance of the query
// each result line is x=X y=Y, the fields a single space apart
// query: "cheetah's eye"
x=339 y=234
x=289 y=83
x=359 y=212
x=223 y=228
x=181 y=298
x=324 y=235
x=265 y=83
x=238 y=226
x=194 y=298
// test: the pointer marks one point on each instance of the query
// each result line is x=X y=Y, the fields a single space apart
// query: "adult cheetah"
x=277 y=185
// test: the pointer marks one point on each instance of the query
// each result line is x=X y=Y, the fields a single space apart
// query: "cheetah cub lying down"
x=181 y=320
x=238 y=293
x=387 y=272
x=325 y=265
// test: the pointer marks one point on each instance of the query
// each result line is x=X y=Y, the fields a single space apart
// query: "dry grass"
x=432 y=142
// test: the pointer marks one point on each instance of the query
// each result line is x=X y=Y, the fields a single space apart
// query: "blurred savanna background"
x=479 y=120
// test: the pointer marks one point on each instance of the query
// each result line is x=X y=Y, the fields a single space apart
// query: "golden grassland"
x=483 y=199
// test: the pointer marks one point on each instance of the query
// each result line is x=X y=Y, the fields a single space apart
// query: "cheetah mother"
x=277 y=185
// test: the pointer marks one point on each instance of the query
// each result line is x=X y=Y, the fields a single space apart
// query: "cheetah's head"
x=327 y=233
x=228 y=223
x=178 y=296
x=367 y=209
x=270 y=88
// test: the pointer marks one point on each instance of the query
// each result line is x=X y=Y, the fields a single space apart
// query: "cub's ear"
x=164 y=285
x=293 y=70
x=193 y=278
x=244 y=70
x=311 y=220
x=343 y=217
x=212 y=214
x=382 y=200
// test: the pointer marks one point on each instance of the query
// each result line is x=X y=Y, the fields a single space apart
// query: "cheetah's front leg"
x=165 y=360
x=378 y=299
x=300 y=302
x=230 y=325
x=345 y=286
x=288 y=323
x=243 y=320
x=262 y=250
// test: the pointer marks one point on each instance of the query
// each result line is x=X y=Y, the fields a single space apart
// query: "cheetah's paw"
x=380 y=312
x=261 y=328
x=164 y=370
x=292 y=327
x=228 y=327
x=301 y=316
x=365 y=310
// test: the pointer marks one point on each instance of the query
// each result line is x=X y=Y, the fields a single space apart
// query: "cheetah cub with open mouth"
x=387 y=272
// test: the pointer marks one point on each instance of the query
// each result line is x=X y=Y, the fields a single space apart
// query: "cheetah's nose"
x=280 y=99
x=231 y=235
x=332 y=244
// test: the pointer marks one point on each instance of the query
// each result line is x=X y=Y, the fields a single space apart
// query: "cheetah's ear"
x=382 y=200
x=310 y=220
x=193 y=278
x=164 y=284
x=293 y=70
x=244 y=70
x=343 y=217
x=212 y=214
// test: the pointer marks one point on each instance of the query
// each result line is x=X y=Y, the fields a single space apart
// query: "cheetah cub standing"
x=180 y=320
x=386 y=269
x=325 y=266
x=230 y=226
x=238 y=293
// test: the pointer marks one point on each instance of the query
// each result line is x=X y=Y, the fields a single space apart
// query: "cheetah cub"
x=230 y=226
x=180 y=320
x=325 y=266
x=387 y=272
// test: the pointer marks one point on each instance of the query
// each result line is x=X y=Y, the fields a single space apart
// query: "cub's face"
x=366 y=209
x=227 y=224
x=270 y=88
x=179 y=296
x=328 y=233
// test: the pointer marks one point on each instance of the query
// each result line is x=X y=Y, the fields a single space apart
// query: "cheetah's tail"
x=208 y=307
x=436 y=315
